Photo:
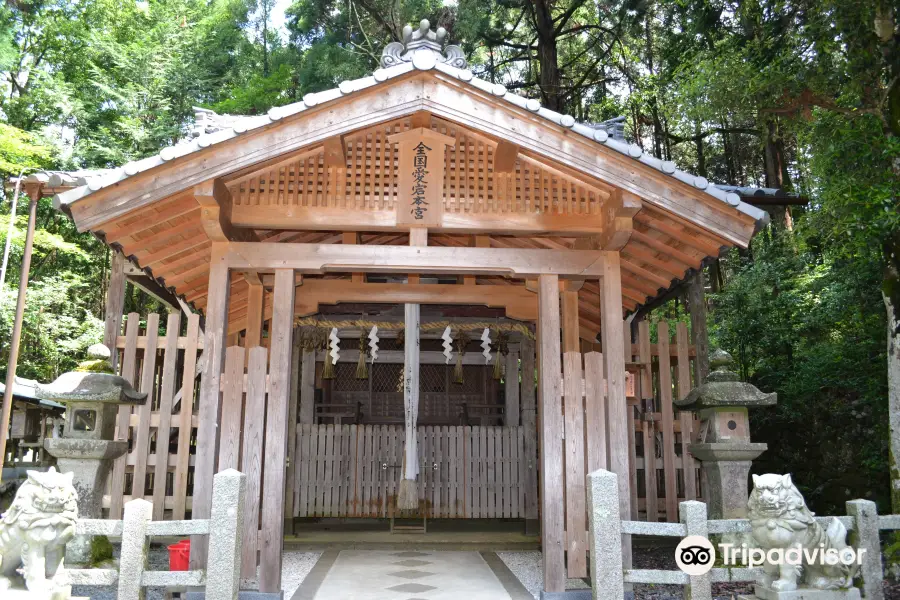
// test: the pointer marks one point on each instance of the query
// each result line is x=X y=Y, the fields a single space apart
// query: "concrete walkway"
x=410 y=575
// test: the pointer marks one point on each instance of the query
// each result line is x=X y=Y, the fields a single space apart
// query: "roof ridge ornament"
x=423 y=41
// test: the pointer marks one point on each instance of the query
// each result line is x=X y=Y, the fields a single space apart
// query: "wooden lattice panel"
x=369 y=181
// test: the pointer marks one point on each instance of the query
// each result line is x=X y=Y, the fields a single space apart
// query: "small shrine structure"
x=420 y=185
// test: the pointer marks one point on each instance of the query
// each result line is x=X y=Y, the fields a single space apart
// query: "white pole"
x=9 y=231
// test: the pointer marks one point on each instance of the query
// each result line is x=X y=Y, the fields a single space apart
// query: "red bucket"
x=179 y=556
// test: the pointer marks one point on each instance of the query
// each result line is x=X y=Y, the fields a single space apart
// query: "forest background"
x=800 y=95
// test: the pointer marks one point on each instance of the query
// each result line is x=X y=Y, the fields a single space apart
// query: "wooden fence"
x=159 y=462
x=465 y=472
x=162 y=440
x=662 y=434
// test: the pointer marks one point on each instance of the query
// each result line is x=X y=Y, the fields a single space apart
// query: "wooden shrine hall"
x=434 y=208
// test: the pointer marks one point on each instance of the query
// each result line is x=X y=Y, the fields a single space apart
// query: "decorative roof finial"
x=425 y=41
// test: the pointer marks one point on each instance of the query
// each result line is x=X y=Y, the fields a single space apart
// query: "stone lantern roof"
x=723 y=388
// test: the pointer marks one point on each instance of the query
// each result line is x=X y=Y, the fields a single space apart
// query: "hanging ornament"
x=373 y=342
x=486 y=344
x=448 y=345
x=328 y=368
x=361 y=371
x=335 y=345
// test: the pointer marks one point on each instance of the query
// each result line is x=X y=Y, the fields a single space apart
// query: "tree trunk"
x=701 y=154
x=893 y=377
x=548 y=57
x=885 y=25
x=697 y=307
x=776 y=172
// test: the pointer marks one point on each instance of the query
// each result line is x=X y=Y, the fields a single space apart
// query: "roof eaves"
x=245 y=124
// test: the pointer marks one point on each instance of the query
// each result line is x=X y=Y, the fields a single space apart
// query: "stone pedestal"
x=726 y=468
x=90 y=461
x=764 y=593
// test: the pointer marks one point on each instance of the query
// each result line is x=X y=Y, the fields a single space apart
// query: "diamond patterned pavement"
x=412 y=588
x=428 y=575
x=412 y=563
x=411 y=574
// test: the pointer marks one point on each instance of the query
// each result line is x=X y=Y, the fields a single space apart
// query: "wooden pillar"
x=529 y=426
x=570 y=328
x=115 y=305
x=210 y=395
x=293 y=410
x=649 y=426
x=699 y=333
x=550 y=416
x=613 y=334
x=255 y=297
x=277 y=411
x=511 y=390
x=308 y=387
x=6 y=412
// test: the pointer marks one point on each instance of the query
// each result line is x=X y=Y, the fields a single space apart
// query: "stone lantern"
x=87 y=446
x=724 y=447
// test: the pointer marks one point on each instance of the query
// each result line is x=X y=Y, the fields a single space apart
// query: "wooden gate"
x=354 y=471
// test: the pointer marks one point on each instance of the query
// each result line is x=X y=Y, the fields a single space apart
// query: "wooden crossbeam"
x=331 y=218
x=322 y=258
x=518 y=302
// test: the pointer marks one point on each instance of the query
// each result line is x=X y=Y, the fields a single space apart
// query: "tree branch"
x=723 y=130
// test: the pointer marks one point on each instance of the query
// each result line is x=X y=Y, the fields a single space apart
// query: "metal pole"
x=17 y=327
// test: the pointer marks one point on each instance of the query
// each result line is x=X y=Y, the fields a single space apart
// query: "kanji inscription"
x=420 y=194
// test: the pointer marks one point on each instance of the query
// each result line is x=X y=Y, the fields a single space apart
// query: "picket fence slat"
x=152 y=464
x=340 y=473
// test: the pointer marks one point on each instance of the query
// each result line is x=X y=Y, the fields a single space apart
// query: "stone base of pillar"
x=584 y=594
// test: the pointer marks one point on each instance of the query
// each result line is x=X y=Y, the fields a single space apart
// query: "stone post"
x=864 y=536
x=693 y=516
x=605 y=528
x=225 y=535
x=725 y=449
x=135 y=548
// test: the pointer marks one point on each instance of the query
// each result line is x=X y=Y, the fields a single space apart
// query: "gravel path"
x=527 y=567
x=158 y=561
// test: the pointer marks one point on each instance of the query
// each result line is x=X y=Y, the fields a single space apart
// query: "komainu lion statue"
x=780 y=519
x=34 y=532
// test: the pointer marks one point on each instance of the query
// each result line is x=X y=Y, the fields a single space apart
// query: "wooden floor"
x=451 y=534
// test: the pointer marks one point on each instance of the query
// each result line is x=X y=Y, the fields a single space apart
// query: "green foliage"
x=21 y=151
x=809 y=325
x=101 y=550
